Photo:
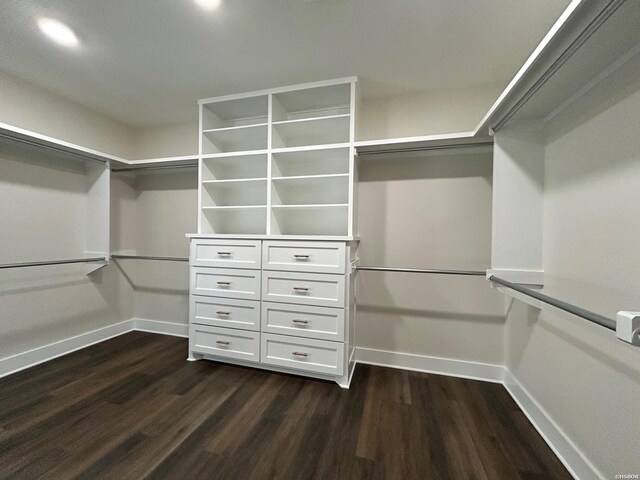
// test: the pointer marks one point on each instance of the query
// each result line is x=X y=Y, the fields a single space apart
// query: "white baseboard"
x=33 y=357
x=164 y=328
x=570 y=456
x=421 y=363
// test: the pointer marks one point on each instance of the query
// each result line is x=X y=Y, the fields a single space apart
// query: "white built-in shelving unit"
x=279 y=162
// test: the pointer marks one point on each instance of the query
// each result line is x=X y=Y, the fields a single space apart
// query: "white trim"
x=570 y=456
x=36 y=356
x=33 y=357
x=422 y=363
x=163 y=328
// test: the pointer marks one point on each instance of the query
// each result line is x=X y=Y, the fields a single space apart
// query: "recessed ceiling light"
x=209 y=4
x=58 y=32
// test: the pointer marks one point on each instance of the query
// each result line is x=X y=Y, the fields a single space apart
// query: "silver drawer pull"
x=222 y=342
x=301 y=289
x=224 y=254
x=301 y=322
x=301 y=354
x=302 y=256
x=223 y=313
x=224 y=282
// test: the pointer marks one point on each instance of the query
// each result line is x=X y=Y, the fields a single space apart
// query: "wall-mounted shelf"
x=407 y=146
x=591 y=50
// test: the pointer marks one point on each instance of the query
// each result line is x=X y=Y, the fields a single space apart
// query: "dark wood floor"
x=133 y=408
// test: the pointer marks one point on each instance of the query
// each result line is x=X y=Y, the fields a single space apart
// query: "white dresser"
x=283 y=305
x=271 y=265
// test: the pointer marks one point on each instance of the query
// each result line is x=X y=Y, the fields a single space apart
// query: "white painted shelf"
x=312 y=178
x=312 y=206
x=234 y=207
x=233 y=181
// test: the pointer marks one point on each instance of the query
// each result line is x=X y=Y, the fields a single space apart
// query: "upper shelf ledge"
x=589 y=44
x=370 y=148
x=29 y=137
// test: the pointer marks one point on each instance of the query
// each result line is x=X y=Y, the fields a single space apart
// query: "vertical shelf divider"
x=269 y=161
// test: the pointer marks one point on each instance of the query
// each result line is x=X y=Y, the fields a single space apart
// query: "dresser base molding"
x=344 y=380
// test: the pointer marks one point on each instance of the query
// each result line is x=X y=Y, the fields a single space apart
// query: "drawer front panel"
x=304 y=288
x=223 y=282
x=321 y=257
x=219 y=312
x=226 y=253
x=317 y=356
x=226 y=342
x=303 y=321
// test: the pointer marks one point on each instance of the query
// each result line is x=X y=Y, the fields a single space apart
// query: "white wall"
x=422 y=114
x=587 y=380
x=153 y=212
x=167 y=140
x=44 y=208
x=428 y=212
x=27 y=106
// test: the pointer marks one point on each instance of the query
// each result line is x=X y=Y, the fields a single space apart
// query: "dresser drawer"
x=224 y=282
x=226 y=342
x=317 y=356
x=304 y=288
x=219 y=312
x=303 y=321
x=225 y=253
x=321 y=257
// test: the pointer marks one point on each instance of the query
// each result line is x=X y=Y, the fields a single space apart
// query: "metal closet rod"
x=593 y=317
x=435 y=271
x=52 y=262
x=149 y=257
x=155 y=167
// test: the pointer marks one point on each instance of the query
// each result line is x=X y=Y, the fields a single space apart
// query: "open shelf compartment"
x=235 y=139
x=310 y=190
x=311 y=162
x=310 y=220
x=241 y=221
x=312 y=102
x=235 y=113
x=314 y=131
x=239 y=193
x=234 y=167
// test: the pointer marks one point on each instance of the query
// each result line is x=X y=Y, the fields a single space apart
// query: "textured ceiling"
x=146 y=62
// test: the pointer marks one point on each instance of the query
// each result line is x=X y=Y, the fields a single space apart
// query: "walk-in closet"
x=319 y=239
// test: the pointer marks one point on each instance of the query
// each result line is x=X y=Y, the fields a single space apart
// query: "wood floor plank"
x=133 y=408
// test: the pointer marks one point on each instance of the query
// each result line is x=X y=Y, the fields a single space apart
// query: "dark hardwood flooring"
x=133 y=408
